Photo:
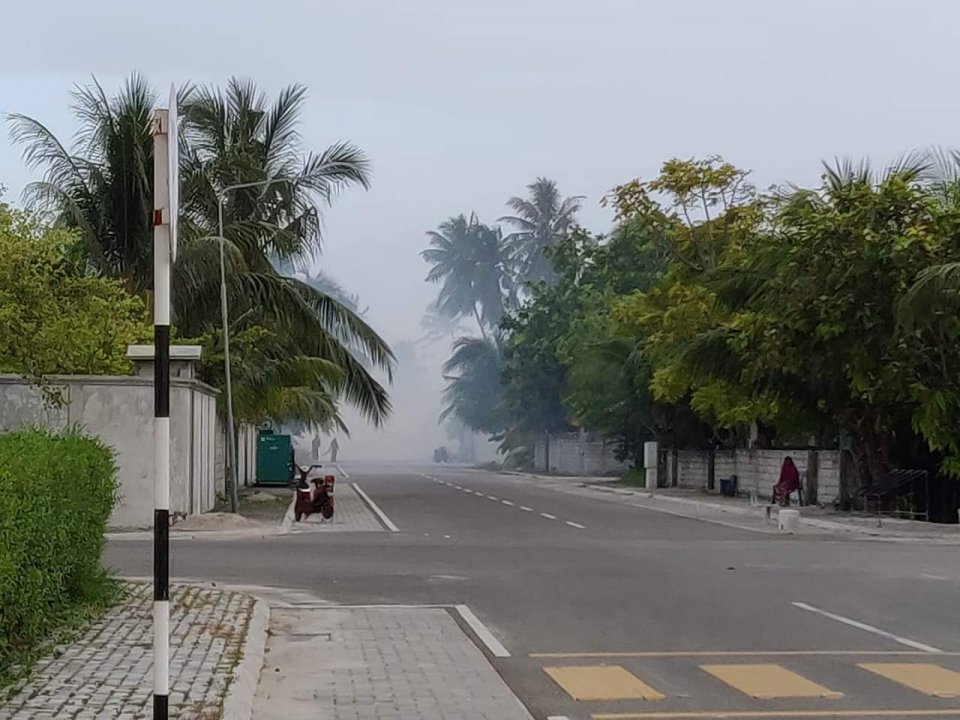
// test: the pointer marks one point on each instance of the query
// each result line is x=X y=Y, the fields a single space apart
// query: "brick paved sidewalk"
x=377 y=664
x=108 y=673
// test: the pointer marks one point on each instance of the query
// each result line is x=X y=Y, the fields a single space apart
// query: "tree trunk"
x=476 y=315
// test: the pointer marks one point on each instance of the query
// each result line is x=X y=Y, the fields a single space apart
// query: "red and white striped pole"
x=161 y=412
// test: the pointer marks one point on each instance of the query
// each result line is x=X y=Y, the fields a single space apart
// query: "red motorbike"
x=316 y=500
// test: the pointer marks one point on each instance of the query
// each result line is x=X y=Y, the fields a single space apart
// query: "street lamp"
x=231 y=438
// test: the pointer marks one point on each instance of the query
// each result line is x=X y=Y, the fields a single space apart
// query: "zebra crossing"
x=734 y=684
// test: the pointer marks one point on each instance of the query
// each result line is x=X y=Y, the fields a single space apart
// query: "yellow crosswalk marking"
x=768 y=681
x=926 y=677
x=601 y=683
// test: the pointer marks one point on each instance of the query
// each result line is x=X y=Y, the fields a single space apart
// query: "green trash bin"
x=274 y=455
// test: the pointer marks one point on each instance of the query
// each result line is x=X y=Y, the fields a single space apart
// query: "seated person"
x=789 y=482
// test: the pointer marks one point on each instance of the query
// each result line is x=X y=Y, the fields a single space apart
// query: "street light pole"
x=231 y=437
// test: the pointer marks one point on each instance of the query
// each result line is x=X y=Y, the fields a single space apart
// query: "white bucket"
x=788 y=520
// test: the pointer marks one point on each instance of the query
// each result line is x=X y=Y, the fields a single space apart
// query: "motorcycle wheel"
x=327 y=511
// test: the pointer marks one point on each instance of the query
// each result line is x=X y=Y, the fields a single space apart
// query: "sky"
x=460 y=104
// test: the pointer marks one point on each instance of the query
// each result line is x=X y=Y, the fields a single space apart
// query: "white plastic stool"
x=788 y=520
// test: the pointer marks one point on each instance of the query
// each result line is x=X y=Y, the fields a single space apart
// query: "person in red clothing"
x=789 y=482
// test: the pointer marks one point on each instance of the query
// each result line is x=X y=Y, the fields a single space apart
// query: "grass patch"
x=634 y=477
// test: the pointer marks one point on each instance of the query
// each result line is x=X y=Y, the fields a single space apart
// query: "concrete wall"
x=756 y=469
x=573 y=454
x=119 y=410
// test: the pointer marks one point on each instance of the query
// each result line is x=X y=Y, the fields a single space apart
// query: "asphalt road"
x=631 y=602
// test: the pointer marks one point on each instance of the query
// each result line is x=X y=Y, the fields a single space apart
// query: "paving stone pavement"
x=351 y=514
x=377 y=664
x=108 y=673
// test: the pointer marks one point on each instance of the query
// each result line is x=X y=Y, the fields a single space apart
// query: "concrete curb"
x=238 y=703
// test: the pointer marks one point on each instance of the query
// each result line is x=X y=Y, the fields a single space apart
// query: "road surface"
x=590 y=609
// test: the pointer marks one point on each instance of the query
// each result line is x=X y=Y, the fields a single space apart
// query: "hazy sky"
x=460 y=104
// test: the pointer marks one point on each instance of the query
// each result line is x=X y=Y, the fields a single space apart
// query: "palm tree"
x=436 y=325
x=539 y=222
x=472 y=394
x=103 y=188
x=235 y=136
x=469 y=259
x=231 y=136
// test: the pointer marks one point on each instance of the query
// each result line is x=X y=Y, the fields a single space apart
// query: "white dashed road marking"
x=508 y=503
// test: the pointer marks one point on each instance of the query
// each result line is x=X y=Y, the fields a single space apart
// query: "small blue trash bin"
x=728 y=486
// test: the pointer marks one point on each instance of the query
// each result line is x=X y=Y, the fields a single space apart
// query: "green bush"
x=56 y=494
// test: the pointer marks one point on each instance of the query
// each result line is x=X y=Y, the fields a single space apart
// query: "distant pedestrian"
x=316 y=445
x=333 y=450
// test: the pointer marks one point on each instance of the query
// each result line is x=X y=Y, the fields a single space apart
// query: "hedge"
x=56 y=494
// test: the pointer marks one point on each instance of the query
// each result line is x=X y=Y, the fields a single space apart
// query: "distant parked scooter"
x=315 y=500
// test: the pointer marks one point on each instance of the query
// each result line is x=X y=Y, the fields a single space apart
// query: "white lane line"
x=869 y=628
x=486 y=637
x=578 y=526
x=507 y=502
x=344 y=473
x=492 y=497
x=548 y=516
x=526 y=509
x=557 y=717
x=458 y=487
x=376 y=509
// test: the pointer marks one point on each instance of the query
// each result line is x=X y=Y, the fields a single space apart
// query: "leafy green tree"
x=706 y=211
x=55 y=318
x=608 y=375
x=468 y=259
x=795 y=325
x=534 y=378
x=540 y=221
